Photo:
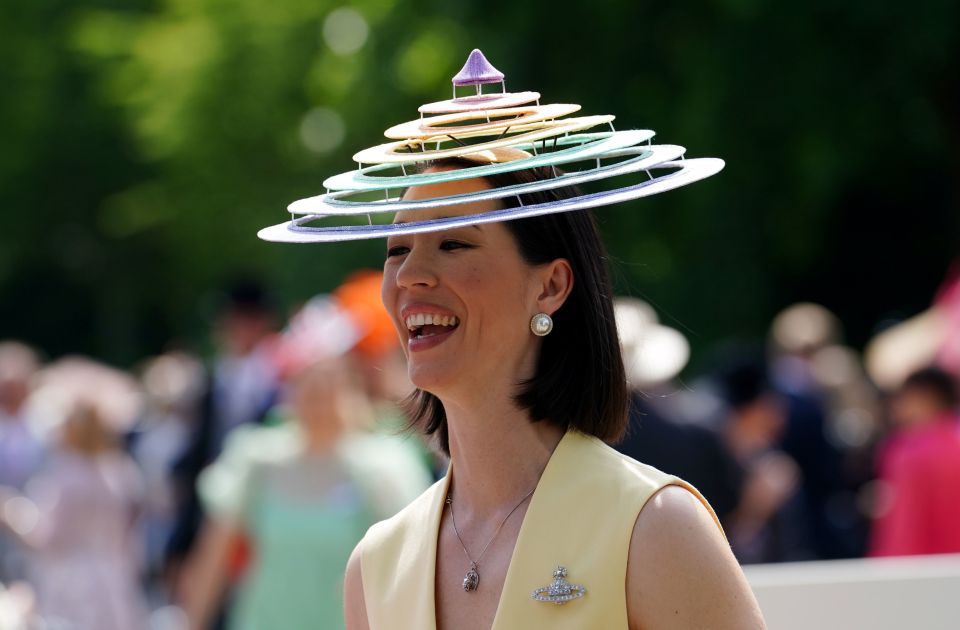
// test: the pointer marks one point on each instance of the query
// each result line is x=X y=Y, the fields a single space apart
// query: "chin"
x=431 y=379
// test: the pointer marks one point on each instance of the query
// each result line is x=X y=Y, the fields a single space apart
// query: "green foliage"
x=144 y=145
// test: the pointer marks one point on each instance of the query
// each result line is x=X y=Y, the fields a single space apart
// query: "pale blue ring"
x=689 y=171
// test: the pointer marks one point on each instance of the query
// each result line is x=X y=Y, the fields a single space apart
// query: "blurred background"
x=145 y=145
x=784 y=313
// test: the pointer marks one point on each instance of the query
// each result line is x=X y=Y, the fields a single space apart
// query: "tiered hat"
x=499 y=132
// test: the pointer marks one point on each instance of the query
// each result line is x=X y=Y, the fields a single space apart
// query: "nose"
x=417 y=269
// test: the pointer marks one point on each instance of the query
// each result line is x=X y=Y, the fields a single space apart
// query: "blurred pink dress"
x=920 y=468
x=85 y=570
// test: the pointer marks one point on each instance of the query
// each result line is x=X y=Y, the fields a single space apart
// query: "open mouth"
x=423 y=325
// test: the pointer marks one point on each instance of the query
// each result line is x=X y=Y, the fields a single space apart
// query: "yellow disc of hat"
x=496 y=120
x=413 y=150
x=496 y=156
x=480 y=101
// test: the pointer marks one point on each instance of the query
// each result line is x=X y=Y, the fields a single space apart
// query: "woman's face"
x=461 y=299
x=326 y=399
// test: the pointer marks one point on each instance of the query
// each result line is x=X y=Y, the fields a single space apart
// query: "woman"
x=78 y=519
x=489 y=281
x=538 y=523
x=300 y=492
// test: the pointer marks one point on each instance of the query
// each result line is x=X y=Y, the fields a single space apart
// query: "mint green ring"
x=645 y=158
x=596 y=144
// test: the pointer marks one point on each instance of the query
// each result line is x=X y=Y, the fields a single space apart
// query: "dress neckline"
x=533 y=520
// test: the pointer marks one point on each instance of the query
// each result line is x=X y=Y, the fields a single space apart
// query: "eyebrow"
x=474 y=226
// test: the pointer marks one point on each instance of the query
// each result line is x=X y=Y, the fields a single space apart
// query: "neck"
x=318 y=438
x=497 y=453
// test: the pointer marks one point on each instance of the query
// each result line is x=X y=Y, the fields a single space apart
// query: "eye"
x=397 y=250
x=451 y=244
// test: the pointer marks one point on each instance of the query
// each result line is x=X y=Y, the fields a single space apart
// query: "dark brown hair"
x=579 y=381
x=935 y=382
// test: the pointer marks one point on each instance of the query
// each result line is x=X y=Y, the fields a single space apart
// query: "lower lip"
x=419 y=344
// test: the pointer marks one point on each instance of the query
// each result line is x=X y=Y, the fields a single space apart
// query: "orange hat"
x=359 y=295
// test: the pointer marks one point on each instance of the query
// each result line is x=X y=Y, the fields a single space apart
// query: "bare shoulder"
x=354 y=604
x=681 y=572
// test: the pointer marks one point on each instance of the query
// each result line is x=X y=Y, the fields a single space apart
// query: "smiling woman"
x=524 y=415
x=496 y=279
x=577 y=380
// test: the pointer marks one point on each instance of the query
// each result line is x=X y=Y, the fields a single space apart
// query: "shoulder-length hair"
x=579 y=382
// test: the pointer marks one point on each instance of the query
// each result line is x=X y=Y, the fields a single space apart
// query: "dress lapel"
x=420 y=572
x=530 y=563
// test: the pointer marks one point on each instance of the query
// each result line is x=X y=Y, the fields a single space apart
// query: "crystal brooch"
x=560 y=591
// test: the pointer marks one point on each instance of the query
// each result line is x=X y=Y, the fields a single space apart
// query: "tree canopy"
x=145 y=143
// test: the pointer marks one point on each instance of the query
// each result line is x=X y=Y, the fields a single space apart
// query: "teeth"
x=425 y=319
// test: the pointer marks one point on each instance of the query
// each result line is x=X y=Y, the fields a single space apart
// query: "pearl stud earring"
x=541 y=324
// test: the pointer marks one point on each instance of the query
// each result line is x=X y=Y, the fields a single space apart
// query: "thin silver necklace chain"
x=472 y=578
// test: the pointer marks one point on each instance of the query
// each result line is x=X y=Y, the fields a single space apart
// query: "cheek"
x=475 y=277
x=388 y=296
x=388 y=289
x=479 y=283
x=499 y=296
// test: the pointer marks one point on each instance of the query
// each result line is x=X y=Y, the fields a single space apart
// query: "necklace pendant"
x=472 y=579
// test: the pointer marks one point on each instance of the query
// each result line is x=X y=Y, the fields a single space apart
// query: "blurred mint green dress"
x=303 y=514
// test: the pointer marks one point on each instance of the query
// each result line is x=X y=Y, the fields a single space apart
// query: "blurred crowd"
x=229 y=493
x=190 y=495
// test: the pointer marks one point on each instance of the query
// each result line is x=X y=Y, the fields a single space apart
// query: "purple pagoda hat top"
x=477 y=70
x=498 y=132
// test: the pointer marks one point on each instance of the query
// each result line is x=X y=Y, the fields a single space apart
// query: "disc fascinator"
x=498 y=132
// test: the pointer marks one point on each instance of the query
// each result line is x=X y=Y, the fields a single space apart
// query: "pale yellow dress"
x=581 y=516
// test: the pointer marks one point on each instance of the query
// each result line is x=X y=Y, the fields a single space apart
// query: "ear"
x=555 y=284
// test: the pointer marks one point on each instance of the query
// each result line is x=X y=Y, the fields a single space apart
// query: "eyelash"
x=451 y=244
x=447 y=245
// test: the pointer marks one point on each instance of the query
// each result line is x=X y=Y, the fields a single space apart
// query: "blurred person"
x=18 y=607
x=241 y=388
x=764 y=526
x=928 y=338
x=172 y=384
x=832 y=424
x=377 y=353
x=918 y=511
x=301 y=492
x=947 y=302
x=809 y=360
x=796 y=334
x=21 y=446
x=77 y=517
x=379 y=359
x=658 y=433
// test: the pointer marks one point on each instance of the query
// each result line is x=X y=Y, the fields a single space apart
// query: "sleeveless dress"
x=302 y=514
x=581 y=517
